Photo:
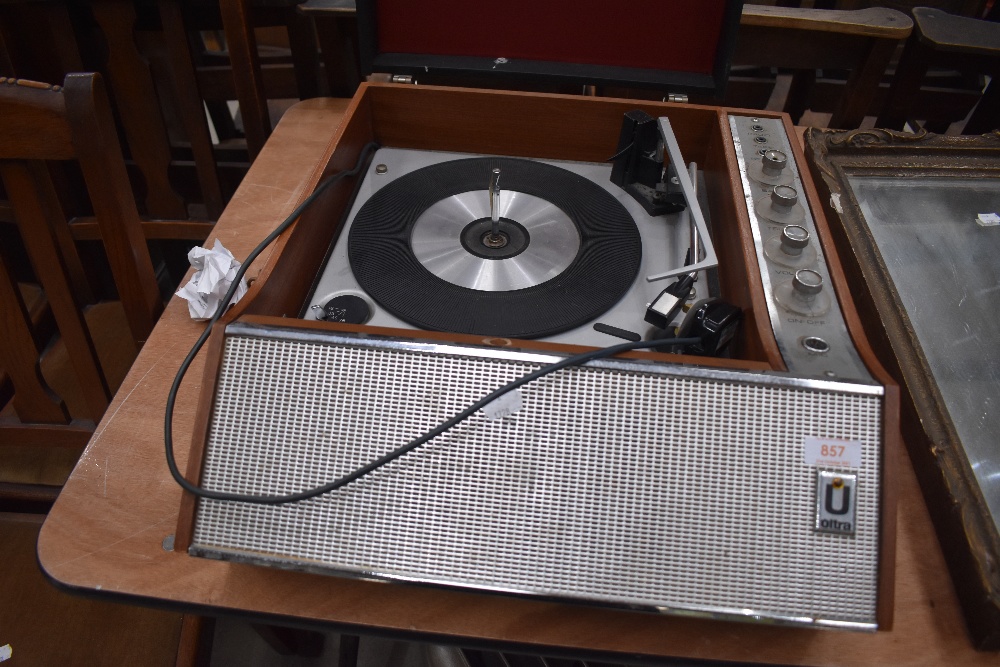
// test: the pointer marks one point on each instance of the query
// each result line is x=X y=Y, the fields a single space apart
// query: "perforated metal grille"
x=616 y=486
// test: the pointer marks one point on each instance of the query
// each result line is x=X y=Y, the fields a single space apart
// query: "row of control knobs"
x=803 y=293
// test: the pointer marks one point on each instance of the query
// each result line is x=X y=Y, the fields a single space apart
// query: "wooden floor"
x=44 y=626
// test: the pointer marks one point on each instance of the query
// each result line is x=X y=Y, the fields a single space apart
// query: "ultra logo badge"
x=836 y=502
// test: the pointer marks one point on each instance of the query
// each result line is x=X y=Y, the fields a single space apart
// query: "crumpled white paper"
x=216 y=269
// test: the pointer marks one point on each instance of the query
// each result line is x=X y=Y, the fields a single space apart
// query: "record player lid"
x=677 y=45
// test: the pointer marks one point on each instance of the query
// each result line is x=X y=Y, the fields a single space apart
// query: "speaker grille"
x=657 y=488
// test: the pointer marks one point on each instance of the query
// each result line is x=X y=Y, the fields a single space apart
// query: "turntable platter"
x=539 y=241
x=570 y=249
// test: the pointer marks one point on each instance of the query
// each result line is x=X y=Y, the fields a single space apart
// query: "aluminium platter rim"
x=552 y=242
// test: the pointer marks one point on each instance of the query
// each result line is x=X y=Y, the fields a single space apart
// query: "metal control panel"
x=805 y=315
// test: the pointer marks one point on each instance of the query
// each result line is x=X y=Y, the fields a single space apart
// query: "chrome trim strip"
x=694 y=611
x=783 y=336
x=774 y=378
x=758 y=242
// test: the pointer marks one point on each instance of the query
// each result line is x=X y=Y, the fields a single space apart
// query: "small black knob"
x=346 y=308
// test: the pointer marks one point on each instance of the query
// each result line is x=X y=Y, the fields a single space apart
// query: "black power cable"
x=201 y=492
x=168 y=436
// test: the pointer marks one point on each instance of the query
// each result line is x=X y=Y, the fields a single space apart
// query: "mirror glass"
x=945 y=266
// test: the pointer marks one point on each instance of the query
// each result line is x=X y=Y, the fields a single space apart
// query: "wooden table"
x=108 y=532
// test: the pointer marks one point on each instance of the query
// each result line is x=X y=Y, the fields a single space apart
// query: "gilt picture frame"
x=924 y=265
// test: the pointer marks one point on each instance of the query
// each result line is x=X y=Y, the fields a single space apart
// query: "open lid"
x=672 y=44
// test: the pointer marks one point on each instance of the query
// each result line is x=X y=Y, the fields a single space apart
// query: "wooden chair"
x=44 y=40
x=939 y=39
x=236 y=70
x=805 y=41
x=239 y=18
x=42 y=123
x=160 y=80
x=337 y=30
x=861 y=41
x=37 y=40
x=968 y=8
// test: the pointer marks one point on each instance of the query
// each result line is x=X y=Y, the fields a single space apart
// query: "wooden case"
x=544 y=126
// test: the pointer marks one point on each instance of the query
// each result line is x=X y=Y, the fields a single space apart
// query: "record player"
x=745 y=477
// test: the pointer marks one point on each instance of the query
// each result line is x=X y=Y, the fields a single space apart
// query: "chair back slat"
x=33 y=121
x=43 y=127
x=99 y=154
x=19 y=354
x=30 y=194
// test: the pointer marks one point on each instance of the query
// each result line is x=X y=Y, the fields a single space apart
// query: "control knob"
x=770 y=169
x=781 y=206
x=793 y=239
x=807 y=283
x=791 y=248
x=803 y=294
